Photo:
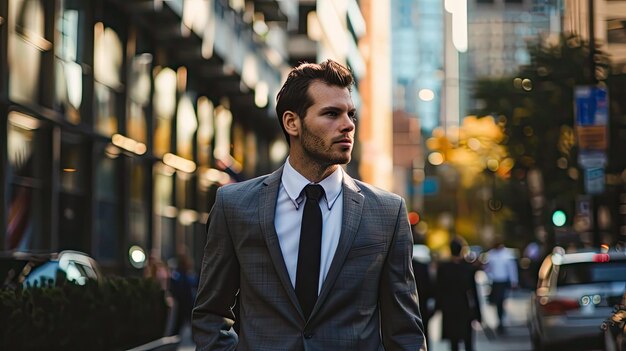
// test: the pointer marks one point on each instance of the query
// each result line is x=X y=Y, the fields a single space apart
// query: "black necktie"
x=308 y=273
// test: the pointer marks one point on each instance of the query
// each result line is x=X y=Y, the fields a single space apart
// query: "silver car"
x=28 y=269
x=575 y=292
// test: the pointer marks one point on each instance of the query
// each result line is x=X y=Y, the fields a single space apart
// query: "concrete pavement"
x=186 y=344
x=516 y=337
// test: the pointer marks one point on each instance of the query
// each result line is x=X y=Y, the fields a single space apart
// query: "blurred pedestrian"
x=156 y=269
x=501 y=267
x=457 y=298
x=315 y=259
x=533 y=254
x=182 y=287
x=425 y=288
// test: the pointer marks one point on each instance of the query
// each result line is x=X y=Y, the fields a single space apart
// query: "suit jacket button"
x=308 y=335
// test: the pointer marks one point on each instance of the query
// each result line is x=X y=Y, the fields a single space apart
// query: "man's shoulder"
x=376 y=192
x=244 y=186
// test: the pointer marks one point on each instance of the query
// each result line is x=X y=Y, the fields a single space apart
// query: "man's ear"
x=291 y=122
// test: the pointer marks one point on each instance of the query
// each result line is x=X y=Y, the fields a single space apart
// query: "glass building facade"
x=119 y=120
x=417 y=55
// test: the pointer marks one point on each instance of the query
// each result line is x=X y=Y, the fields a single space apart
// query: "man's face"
x=327 y=133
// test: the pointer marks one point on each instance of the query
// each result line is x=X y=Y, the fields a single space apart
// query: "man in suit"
x=361 y=294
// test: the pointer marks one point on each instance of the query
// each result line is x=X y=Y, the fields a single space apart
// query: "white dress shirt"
x=288 y=218
x=501 y=266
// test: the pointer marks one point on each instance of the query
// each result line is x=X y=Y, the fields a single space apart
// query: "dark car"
x=28 y=269
x=614 y=328
x=575 y=293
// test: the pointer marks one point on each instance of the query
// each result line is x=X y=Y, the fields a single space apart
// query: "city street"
x=516 y=337
x=155 y=151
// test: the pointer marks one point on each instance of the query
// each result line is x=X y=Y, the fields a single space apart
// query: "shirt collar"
x=294 y=182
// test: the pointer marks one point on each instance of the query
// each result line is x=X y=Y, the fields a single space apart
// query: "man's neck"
x=310 y=170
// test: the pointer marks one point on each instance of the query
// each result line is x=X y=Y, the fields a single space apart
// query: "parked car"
x=29 y=269
x=614 y=328
x=575 y=293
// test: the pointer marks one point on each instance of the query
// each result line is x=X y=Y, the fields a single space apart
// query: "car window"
x=592 y=272
x=42 y=274
x=88 y=271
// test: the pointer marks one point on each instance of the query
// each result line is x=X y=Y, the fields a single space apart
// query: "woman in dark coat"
x=457 y=298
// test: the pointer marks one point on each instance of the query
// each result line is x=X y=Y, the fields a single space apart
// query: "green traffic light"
x=559 y=218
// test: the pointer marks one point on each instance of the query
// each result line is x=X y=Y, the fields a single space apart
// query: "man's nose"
x=348 y=123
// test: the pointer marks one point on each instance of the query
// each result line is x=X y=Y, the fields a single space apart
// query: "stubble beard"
x=317 y=151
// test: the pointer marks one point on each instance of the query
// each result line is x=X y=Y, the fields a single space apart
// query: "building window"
x=616 y=31
x=25 y=179
x=138 y=216
x=26 y=45
x=223 y=124
x=205 y=131
x=106 y=214
x=108 y=58
x=187 y=216
x=165 y=212
x=139 y=82
x=73 y=215
x=186 y=126
x=164 y=102
x=68 y=58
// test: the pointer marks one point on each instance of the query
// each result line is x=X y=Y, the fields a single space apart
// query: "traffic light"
x=559 y=218
x=414 y=217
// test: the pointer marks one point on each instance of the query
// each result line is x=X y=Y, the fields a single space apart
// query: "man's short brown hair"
x=294 y=94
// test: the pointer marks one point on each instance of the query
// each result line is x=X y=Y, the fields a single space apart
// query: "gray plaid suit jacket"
x=367 y=302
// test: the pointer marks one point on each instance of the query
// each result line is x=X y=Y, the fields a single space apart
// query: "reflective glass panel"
x=108 y=58
x=139 y=96
x=107 y=209
x=69 y=72
x=23 y=174
x=138 y=206
x=26 y=43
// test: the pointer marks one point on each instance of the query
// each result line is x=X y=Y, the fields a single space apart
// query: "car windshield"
x=592 y=272
x=42 y=274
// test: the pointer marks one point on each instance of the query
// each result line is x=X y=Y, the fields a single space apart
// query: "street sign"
x=592 y=116
x=591 y=106
x=430 y=186
x=594 y=180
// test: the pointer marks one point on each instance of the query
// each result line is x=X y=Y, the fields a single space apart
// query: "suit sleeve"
x=212 y=317
x=401 y=323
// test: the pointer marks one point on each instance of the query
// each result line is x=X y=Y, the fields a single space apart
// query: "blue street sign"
x=591 y=106
x=594 y=180
x=430 y=186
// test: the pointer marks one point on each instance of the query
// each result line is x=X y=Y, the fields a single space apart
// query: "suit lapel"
x=352 y=209
x=267 y=211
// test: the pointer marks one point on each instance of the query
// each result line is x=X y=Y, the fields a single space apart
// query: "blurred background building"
x=120 y=118
x=441 y=51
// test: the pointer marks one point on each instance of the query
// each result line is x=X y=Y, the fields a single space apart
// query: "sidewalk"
x=516 y=337
x=186 y=344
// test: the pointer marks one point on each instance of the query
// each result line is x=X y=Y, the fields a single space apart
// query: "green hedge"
x=113 y=314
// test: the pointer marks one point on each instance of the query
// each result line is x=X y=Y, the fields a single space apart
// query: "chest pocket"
x=366 y=250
